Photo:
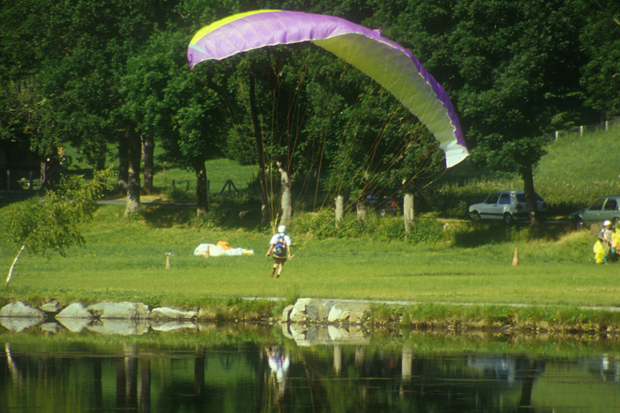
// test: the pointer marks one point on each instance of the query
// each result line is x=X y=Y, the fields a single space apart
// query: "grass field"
x=125 y=259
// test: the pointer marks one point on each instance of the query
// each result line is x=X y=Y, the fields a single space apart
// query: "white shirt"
x=276 y=236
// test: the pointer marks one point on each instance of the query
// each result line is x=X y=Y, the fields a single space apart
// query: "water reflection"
x=257 y=370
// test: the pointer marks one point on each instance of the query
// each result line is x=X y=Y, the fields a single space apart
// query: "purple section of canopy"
x=271 y=28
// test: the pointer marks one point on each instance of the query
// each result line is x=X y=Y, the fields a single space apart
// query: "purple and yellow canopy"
x=391 y=65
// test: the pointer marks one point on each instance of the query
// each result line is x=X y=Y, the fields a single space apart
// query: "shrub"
x=426 y=230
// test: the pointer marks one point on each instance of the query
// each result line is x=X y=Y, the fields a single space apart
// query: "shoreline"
x=350 y=314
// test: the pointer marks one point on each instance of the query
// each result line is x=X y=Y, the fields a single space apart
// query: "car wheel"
x=475 y=216
x=579 y=225
x=508 y=219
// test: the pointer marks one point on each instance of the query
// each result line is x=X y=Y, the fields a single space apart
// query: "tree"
x=600 y=41
x=512 y=69
x=53 y=222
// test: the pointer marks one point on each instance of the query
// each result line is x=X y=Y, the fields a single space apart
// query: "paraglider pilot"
x=280 y=245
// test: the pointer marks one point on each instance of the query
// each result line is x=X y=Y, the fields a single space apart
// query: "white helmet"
x=606 y=223
x=282 y=228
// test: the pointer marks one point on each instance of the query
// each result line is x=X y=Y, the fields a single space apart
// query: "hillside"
x=574 y=172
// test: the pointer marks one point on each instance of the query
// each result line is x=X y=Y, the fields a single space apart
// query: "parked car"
x=604 y=208
x=506 y=206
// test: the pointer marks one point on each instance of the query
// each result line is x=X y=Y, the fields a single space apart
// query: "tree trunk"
x=201 y=187
x=123 y=163
x=362 y=205
x=362 y=209
x=133 y=185
x=339 y=209
x=408 y=212
x=101 y=153
x=287 y=198
x=258 y=138
x=8 y=279
x=530 y=197
x=44 y=170
x=148 y=148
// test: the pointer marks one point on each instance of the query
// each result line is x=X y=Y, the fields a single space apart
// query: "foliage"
x=513 y=71
x=53 y=222
x=600 y=41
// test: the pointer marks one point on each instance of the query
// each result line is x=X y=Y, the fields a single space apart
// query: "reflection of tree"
x=530 y=371
x=126 y=378
x=199 y=370
x=15 y=373
x=144 y=392
x=97 y=383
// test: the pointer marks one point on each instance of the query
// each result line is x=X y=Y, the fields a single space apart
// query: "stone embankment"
x=308 y=321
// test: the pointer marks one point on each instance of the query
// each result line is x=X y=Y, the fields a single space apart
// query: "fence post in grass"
x=30 y=180
x=339 y=209
x=173 y=184
x=8 y=180
x=557 y=134
x=408 y=212
x=581 y=130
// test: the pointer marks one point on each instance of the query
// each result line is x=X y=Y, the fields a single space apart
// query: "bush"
x=322 y=225
x=426 y=230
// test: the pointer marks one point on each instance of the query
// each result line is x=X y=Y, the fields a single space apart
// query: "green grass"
x=462 y=263
x=126 y=260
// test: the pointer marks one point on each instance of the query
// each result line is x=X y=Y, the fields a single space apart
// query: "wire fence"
x=603 y=126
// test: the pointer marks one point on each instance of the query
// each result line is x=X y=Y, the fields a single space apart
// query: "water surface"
x=264 y=369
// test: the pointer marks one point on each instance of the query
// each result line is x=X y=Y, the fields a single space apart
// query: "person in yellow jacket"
x=606 y=247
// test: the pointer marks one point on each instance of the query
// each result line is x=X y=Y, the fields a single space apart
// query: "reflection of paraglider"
x=388 y=63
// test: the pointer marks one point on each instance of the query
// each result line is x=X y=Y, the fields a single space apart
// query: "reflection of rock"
x=172 y=325
x=74 y=311
x=75 y=325
x=19 y=323
x=21 y=310
x=124 y=327
x=298 y=333
x=122 y=310
x=312 y=334
x=171 y=314
x=50 y=327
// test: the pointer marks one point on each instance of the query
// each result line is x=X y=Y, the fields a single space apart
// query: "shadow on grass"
x=226 y=219
x=479 y=234
x=167 y=216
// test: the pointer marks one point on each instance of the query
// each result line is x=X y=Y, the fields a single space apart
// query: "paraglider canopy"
x=389 y=64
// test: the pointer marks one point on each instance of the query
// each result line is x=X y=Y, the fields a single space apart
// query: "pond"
x=273 y=368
